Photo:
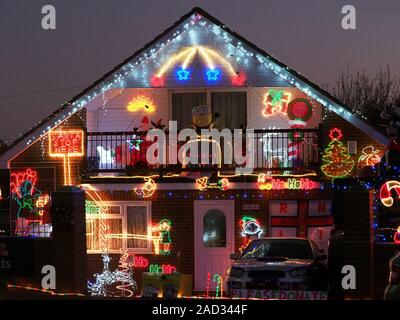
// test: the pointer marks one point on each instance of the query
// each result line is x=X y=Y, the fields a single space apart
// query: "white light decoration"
x=106 y=157
x=139 y=68
x=107 y=279
x=275 y=148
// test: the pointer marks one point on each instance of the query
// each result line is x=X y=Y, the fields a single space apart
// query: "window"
x=136 y=223
x=232 y=109
x=214 y=229
x=131 y=219
x=182 y=104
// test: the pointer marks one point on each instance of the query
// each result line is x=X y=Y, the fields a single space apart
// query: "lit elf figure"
x=165 y=237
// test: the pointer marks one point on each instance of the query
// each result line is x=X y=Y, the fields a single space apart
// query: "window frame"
x=123 y=216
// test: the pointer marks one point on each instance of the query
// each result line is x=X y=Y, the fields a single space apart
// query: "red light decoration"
x=385 y=192
x=396 y=236
x=157 y=81
x=276 y=101
x=264 y=182
x=337 y=161
x=18 y=180
x=335 y=134
x=140 y=262
x=299 y=109
x=208 y=284
x=239 y=79
x=66 y=144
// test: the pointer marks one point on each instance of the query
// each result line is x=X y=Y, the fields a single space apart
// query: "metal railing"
x=281 y=149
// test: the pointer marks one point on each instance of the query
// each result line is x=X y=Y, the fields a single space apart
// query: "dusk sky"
x=93 y=36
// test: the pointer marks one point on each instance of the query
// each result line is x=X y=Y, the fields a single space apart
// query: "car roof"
x=283 y=238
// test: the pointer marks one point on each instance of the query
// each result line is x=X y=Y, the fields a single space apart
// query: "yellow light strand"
x=172 y=60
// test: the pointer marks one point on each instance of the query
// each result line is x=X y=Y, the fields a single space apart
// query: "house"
x=183 y=215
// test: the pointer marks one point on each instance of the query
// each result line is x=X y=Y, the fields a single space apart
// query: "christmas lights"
x=370 y=157
x=164 y=238
x=276 y=101
x=53 y=293
x=274 y=152
x=105 y=280
x=204 y=184
x=338 y=162
x=299 y=109
x=266 y=182
x=107 y=157
x=251 y=229
x=183 y=74
x=219 y=289
x=147 y=190
x=239 y=79
x=66 y=144
x=125 y=269
x=42 y=204
x=385 y=193
x=163 y=269
x=140 y=262
x=212 y=75
x=137 y=68
x=141 y=102
x=24 y=192
x=93 y=195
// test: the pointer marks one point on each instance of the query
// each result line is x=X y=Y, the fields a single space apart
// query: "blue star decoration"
x=212 y=75
x=183 y=74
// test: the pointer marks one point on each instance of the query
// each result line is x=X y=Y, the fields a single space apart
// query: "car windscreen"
x=287 y=248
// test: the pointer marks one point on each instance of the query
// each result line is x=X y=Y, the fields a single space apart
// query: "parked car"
x=392 y=291
x=279 y=264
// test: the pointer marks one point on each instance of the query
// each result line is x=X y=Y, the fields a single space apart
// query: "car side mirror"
x=322 y=257
x=234 y=256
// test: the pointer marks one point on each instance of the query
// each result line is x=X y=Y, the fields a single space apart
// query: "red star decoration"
x=157 y=81
x=335 y=134
x=238 y=79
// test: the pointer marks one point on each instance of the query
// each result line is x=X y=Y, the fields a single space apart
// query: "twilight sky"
x=93 y=36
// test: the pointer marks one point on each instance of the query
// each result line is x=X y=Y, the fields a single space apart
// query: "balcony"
x=124 y=153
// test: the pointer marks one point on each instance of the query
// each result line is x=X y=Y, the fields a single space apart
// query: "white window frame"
x=124 y=217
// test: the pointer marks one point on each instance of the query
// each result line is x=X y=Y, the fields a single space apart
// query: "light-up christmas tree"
x=338 y=162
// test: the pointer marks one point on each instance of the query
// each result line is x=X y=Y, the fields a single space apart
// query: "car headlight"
x=300 y=272
x=236 y=272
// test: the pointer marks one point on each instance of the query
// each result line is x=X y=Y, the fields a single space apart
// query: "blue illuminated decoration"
x=213 y=75
x=183 y=74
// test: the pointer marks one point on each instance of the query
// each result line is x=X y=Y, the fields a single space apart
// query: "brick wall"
x=179 y=208
x=350 y=132
x=356 y=204
x=36 y=155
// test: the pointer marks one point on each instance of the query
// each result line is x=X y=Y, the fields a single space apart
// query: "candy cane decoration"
x=208 y=284
x=220 y=286
x=387 y=187
x=295 y=141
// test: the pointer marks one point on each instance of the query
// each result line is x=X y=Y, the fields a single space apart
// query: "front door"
x=214 y=240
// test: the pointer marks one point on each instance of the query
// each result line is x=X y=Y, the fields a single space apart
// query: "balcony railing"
x=274 y=150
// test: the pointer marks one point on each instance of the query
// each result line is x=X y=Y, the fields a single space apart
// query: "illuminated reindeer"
x=109 y=278
x=275 y=149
